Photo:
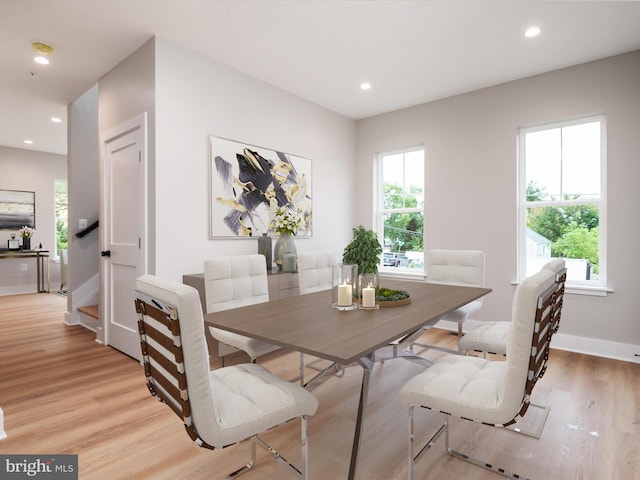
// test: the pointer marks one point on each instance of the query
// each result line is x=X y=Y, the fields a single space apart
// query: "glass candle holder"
x=289 y=262
x=344 y=282
x=368 y=288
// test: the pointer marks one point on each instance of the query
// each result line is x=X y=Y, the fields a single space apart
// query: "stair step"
x=91 y=310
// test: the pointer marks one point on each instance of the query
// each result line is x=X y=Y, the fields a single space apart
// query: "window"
x=61 y=205
x=562 y=199
x=400 y=210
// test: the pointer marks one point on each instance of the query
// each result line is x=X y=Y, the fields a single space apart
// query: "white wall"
x=35 y=172
x=84 y=202
x=125 y=92
x=195 y=98
x=84 y=186
x=470 y=154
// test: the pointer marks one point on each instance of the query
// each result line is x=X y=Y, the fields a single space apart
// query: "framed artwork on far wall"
x=249 y=183
x=17 y=209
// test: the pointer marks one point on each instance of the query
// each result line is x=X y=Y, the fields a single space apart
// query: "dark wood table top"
x=309 y=324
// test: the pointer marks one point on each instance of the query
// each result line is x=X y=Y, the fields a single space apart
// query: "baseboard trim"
x=600 y=348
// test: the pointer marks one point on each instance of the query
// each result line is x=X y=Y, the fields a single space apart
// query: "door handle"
x=106 y=253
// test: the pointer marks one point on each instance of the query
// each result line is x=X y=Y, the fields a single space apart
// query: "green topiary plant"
x=364 y=250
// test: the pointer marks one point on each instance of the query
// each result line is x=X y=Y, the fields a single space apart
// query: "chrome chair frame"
x=539 y=354
x=174 y=393
x=309 y=282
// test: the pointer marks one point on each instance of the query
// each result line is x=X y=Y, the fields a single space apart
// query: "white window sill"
x=402 y=275
x=587 y=290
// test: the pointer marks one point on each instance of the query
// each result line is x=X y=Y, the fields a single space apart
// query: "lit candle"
x=344 y=295
x=369 y=297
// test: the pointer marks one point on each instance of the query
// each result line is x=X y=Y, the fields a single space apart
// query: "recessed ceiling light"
x=532 y=32
x=56 y=120
x=42 y=49
x=29 y=142
x=365 y=86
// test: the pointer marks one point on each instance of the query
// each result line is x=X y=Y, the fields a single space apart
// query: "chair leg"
x=434 y=347
x=485 y=465
x=305 y=447
x=303 y=472
x=313 y=364
x=414 y=458
x=302 y=369
x=248 y=466
x=537 y=430
x=454 y=453
x=339 y=371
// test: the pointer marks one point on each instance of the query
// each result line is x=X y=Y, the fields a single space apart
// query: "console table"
x=42 y=263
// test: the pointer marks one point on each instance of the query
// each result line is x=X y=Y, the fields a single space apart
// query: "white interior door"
x=123 y=225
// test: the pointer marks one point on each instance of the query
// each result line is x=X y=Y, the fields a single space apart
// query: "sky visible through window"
x=565 y=161
x=412 y=173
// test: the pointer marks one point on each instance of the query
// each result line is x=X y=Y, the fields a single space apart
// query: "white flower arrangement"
x=286 y=221
x=26 y=232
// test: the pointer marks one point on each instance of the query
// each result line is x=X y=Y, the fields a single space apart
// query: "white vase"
x=284 y=244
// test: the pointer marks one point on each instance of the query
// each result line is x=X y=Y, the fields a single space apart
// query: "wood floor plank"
x=61 y=392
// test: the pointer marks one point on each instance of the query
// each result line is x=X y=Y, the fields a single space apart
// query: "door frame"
x=137 y=122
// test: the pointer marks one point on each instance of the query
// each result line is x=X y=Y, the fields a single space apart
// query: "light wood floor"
x=62 y=393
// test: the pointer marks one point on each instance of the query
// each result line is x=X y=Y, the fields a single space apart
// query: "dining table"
x=309 y=324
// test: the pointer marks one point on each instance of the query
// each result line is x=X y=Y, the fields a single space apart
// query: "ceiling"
x=410 y=51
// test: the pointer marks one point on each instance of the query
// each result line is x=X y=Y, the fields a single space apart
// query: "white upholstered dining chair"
x=480 y=390
x=456 y=267
x=222 y=407
x=231 y=282
x=314 y=271
x=314 y=275
x=491 y=337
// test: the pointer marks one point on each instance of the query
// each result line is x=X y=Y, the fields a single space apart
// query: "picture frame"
x=17 y=209
x=249 y=183
x=13 y=244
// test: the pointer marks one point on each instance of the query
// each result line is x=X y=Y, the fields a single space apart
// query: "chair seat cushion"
x=467 y=387
x=488 y=337
x=461 y=314
x=248 y=398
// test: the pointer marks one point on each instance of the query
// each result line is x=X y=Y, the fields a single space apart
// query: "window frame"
x=56 y=253
x=380 y=211
x=597 y=287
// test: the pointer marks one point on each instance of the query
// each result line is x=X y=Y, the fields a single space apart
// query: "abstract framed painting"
x=17 y=209
x=249 y=183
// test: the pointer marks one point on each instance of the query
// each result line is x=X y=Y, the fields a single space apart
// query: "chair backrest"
x=528 y=340
x=557 y=266
x=174 y=351
x=236 y=281
x=314 y=271
x=456 y=267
